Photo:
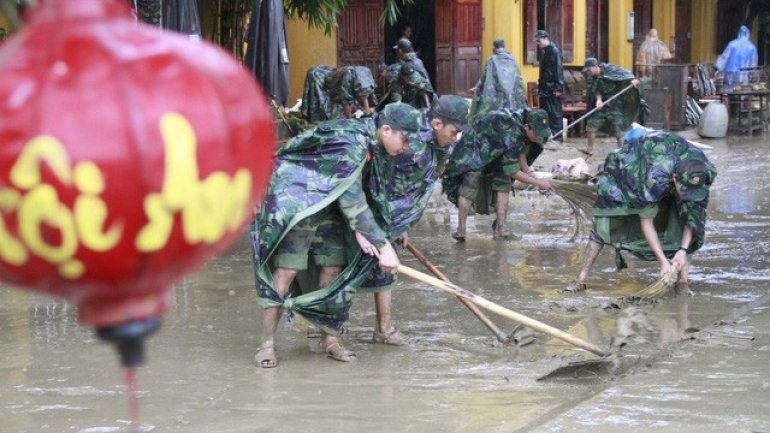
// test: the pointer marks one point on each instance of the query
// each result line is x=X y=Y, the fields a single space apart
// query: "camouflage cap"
x=542 y=34
x=452 y=109
x=404 y=45
x=538 y=121
x=590 y=61
x=694 y=179
x=402 y=117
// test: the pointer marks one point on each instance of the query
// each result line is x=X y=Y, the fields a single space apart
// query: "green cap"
x=591 y=61
x=452 y=109
x=542 y=34
x=402 y=117
x=694 y=178
x=538 y=120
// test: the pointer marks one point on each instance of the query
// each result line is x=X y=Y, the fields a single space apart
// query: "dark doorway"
x=420 y=16
x=729 y=20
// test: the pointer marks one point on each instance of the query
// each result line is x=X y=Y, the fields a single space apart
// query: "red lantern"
x=128 y=156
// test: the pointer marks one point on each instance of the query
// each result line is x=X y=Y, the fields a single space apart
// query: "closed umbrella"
x=182 y=16
x=267 y=55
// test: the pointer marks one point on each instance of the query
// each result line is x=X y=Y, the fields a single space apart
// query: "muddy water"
x=453 y=376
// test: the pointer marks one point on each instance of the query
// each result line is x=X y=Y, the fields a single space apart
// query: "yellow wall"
x=505 y=19
x=703 y=43
x=307 y=48
x=621 y=50
x=664 y=20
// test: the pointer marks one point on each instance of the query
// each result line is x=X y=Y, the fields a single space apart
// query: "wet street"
x=688 y=363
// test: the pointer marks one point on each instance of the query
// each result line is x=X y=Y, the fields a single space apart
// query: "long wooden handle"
x=604 y=103
x=500 y=335
x=495 y=308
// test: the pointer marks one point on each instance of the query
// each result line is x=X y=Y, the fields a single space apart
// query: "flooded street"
x=689 y=363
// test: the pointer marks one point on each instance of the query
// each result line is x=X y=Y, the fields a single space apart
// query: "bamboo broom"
x=662 y=285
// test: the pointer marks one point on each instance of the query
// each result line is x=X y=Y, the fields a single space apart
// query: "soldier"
x=315 y=100
x=498 y=146
x=652 y=199
x=604 y=81
x=551 y=83
x=403 y=191
x=351 y=87
x=501 y=85
x=411 y=88
x=316 y=199
x=406 y=55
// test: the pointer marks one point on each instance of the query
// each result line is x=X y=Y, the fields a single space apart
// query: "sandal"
x=337 y=351
x=459 y=237
x=392 y=337
x=265 y=356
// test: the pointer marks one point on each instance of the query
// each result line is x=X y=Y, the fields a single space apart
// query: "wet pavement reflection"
x=453 y=376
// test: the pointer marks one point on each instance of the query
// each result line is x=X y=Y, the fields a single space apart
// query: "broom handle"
x=501 y=337
x=495 y=308
x=591 y=112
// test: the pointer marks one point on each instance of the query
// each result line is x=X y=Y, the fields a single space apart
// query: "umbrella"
x=182 y=16
x=267 y=55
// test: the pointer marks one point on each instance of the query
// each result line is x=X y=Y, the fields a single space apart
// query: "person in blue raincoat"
x=739 y=55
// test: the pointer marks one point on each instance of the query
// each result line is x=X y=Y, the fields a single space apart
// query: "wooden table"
x=743 y=103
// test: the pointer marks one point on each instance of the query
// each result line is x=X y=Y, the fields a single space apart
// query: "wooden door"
x=597 y=32
x=458 y=45
x=467 y=45
x=360 y=34
x=554 y=16
x=682 y=31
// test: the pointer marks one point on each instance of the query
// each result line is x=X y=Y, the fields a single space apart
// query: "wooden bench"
x=574 y=100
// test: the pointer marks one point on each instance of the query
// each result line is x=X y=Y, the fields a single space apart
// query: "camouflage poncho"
x=410 y=89
x=315 y=101
x=501 y=86
x=349 y=84
x=399 y=190
x=414 y=61
x=494 y=137
x=637 y=182
x=613 y=80
x=312 y=171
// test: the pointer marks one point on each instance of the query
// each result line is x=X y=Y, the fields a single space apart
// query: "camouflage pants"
x=471 y=183
x=320 y=235
x=607 y=120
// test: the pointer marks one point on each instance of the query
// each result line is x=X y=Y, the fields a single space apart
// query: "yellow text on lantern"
x=209 y=208
x=37 y=206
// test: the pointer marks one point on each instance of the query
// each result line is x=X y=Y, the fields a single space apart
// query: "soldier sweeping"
x=302 y=236
x=605 y=80
x=498 y=146
x=652 y=199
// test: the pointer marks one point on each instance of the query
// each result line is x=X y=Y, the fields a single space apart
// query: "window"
x=554 y=16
